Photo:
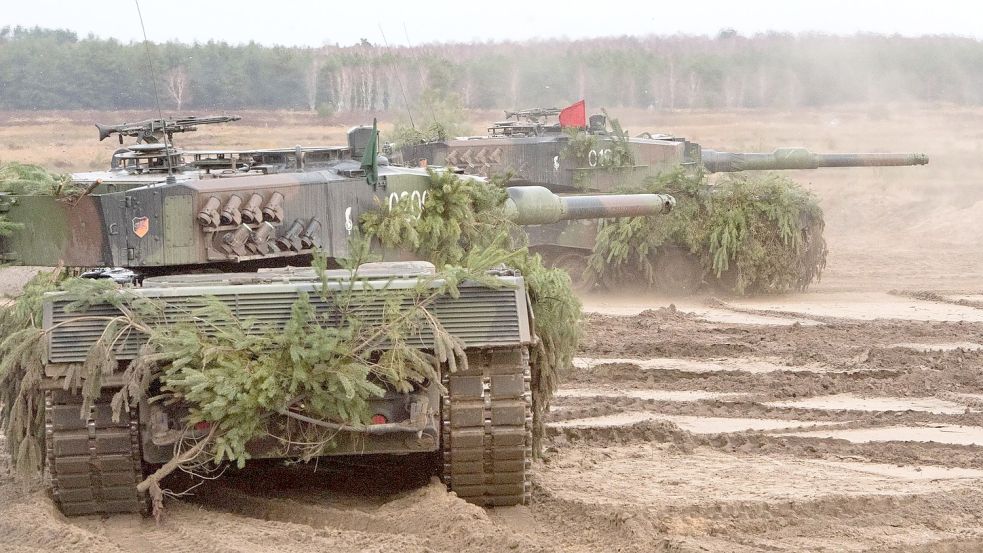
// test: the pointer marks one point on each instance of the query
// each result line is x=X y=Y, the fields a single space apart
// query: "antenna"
x=160 y=114
x=433 y=116
x=399 y=80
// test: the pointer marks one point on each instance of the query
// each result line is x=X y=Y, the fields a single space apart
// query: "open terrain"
x=846 y=418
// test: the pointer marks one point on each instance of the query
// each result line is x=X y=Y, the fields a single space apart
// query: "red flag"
x=574 y=116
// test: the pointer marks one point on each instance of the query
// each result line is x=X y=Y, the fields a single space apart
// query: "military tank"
x=564 y=151
x=238 y=241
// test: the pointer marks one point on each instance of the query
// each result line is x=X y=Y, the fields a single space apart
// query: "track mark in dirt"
x=945 y=545
x=718 y=501
x=430 y=516
x=608 y=421
x=661 y=476
x=954 y=298
x=694 y=424
x=711 y=311
x=851 y=402
x=847 y=345
x=627 y=380
x=831 y=522
x=974 y=300
x=938 y=433
x=794 y=444
x=927 y=348
x=866 y=306
x=749 y=365
x=656 y=395
x=716 y=425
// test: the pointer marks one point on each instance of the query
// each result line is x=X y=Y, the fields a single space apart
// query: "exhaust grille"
x=480 y=317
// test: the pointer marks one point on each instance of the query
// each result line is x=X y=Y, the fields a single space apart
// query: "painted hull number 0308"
x=415 y=198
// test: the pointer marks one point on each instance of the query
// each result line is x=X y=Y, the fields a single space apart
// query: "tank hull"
x=481 y=426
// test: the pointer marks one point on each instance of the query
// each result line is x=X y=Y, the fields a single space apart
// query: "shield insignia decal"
x=141 y=226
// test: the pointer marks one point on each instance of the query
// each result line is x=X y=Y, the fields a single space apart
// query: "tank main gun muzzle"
x=800 y=158
x=536 y=205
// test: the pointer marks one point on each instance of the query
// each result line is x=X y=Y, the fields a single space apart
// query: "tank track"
x=95 y=463
x=486 y=428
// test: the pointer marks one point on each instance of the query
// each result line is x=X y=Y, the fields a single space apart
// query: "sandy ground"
x=847 y=418
x=671 y=432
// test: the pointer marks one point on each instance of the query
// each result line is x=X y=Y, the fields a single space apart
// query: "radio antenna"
x=160 y=114
x=399 y=79
x=426 y=97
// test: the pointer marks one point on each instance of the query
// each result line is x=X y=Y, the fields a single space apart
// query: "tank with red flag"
x=566 y=151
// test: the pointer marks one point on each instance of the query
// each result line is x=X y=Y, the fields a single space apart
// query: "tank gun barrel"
x=800 y=158
x=536 y=205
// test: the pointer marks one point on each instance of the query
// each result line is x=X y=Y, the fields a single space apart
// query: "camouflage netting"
x=750 y=234
x=465 y=217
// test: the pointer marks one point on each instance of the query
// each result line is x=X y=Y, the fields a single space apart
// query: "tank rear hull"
x=482 y=425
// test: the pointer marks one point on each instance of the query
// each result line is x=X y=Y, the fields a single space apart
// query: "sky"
x=311 y=23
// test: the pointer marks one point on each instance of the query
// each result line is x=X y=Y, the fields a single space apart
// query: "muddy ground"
x=847 y=418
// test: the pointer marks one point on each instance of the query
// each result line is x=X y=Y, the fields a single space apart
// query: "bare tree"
x=672 y=83
x=312 y=73
x=177 y=85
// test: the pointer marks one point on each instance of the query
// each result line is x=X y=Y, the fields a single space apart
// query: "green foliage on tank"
x=463 y=218
x=26 y=179
x=22 y=372
x=236 y=375
x=750 y=234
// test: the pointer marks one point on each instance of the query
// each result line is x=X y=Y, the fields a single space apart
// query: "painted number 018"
x=595 y=157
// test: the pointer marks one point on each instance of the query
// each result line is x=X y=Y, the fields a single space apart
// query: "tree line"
x=55 y=69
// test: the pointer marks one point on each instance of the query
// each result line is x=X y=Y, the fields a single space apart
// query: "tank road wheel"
x=486 y=421
x=95 y=463
x=677 y=272
x=575 y=265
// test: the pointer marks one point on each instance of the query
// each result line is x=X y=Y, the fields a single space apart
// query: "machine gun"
x=526 y=122
x=153 y=130
x=536 y=115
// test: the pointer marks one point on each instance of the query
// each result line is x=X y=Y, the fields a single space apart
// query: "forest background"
x=46 y=69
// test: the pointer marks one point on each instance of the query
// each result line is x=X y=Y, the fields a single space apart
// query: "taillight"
x=379 y=419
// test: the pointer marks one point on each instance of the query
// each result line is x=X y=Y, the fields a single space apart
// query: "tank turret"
x=600 y=156
x=255 y=221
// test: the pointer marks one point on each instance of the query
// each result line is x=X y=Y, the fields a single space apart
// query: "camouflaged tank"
x=234 y=226
x=599 y=157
